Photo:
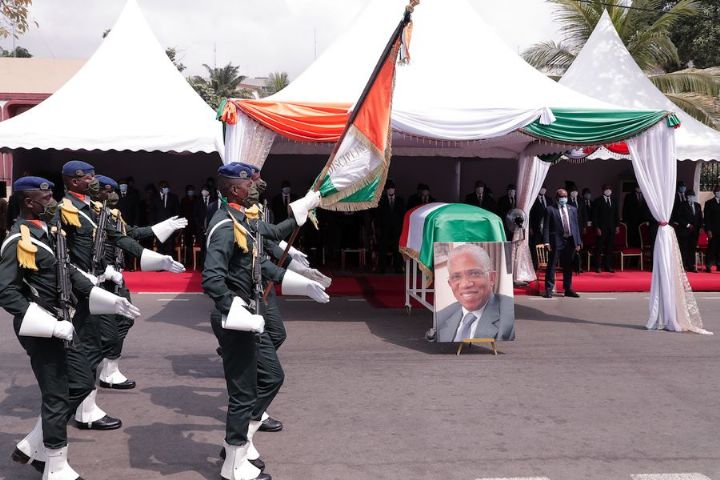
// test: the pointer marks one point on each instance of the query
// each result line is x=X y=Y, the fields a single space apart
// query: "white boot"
x=236 y=465
x=88 y=411
x=253 y=454
x=57 y=467
x=110 y=373
x=32 y=445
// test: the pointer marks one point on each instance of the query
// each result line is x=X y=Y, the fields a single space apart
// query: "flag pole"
x=407 y=16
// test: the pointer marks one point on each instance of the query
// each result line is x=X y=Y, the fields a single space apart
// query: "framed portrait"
x=473 y=291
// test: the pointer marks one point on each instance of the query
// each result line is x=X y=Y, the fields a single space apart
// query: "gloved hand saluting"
x=164 y=229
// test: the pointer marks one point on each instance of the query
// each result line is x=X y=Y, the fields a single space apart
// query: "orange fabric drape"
x=302 y=122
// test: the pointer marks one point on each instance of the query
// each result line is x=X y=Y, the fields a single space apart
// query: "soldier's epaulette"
x=26 y=250
x=69 y=214
x=254 y=212
x=240 y=234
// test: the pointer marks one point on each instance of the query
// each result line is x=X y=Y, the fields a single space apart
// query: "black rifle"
x=98 y=258
x=119 y=254
x=64 y=286
x=257 y=263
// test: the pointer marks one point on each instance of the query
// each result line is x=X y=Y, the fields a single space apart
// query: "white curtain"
x=467 y=123
x=531 y=175
x=672 y=303
x=247 y=141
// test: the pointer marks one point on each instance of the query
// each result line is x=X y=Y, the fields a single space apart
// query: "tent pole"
x=458 y=177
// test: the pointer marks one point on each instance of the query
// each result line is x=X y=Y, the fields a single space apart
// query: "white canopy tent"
x=128 y=96
x=605 y=70
x=500 y=108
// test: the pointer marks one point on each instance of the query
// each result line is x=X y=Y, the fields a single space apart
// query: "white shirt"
x=473 y=328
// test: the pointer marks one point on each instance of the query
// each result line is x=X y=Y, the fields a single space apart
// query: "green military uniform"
x=64 y=376
x=80 y=245
x=227 y=274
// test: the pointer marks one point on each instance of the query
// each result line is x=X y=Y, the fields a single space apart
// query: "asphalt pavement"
x=585 y=392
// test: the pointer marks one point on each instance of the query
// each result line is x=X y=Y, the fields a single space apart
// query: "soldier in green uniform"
x=80 y=220
x=114 y=329
x=228 y=280
x=29 y=290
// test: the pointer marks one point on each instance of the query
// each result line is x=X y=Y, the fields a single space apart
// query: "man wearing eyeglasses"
x=478 y=312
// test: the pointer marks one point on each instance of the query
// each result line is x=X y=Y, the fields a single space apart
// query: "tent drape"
x=248 y=141
x=672 y=303
x=531 y=175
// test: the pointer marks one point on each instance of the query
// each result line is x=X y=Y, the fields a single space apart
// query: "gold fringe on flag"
x=26 y=250
x=69 y=214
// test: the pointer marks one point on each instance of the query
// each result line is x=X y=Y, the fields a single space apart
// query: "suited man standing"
x=478 y=311
x=712 y=228
x=505 y=204
x=606 y=218
x=537 y=218
x=129 y=203
x=422 y=197
x=634 y=212
x=481 y=197
x=585 y=209
x=561 y=237
x=205 y=208
x=687 y=220
x=281 y=201
x=165 y=205
x=388 y=222
x=574 y=201
x=680 y=196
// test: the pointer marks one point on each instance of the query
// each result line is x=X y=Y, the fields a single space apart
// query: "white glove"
x=241 y=319
x=302 y=207
x=296 y=284
x=113 y=275
x=153 y=262
x=310 y=273
x=103 y=302
x=295 y=254
x=63 y=330
x=164 y=229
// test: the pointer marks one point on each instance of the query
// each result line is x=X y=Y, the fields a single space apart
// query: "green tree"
x=224 y=80
x=645 y=31
x=205 y=90
x=14 y=17
x=276 y=82
x=171 y=52
x=19 y=52
x=698 y=38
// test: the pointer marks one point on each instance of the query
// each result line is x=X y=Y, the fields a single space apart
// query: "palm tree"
x=645 y=30
x=224 y=80
x=276 y=82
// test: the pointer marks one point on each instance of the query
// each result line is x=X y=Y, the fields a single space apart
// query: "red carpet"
x=388 y=291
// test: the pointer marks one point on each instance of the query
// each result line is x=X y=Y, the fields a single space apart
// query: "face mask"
x=286 y=190
x=113 y=199
x=93 y=188
x=479 y=190
x=191 y=193
x=682 y=189
x=607 y=192
x=542 y=191
x=511 y=193
x=261 y=185
x=391 y=191
x=204 y=193
x=574 y=195
x=691 y=198
x=123 y=188
x=562 y=200
x=48 y=210
x=253 y=196
x=587 y=196
x=717 y=195
x=165 y=190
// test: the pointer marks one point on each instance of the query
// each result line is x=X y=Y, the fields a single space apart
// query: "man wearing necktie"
x=167 y=205
x=481 y=197
x=634 y=212
x=479 y=312
x=387 y=223
x=606 y=218
x=687 y=219
x=712 y=228
x=537 y=216
x=562 y=239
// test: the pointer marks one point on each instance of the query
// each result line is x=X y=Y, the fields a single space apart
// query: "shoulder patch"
x=26 y=250
x=69 y=213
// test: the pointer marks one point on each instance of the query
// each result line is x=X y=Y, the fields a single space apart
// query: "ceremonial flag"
x=355 y=173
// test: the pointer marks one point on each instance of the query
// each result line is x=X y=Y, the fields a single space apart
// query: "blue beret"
x=238 y=170
x=32 y=183
x=77 y=168
x=106 y=181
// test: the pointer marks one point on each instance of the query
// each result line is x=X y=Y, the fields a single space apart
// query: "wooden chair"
x=542 y=256
x=621 y=245
x=701 y=249
x=361 y=253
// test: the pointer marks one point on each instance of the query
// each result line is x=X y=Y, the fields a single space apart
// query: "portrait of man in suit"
x=479 y=311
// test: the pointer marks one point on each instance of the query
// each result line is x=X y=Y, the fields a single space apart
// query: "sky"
x=260 y=36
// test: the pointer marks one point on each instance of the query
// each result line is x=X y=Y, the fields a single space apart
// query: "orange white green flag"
x=355 y=173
